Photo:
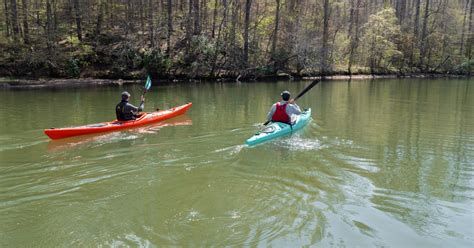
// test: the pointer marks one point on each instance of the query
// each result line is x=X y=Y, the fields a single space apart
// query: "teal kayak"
x=278 y=129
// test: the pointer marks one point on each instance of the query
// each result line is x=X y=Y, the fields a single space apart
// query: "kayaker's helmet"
x=125 y=95
x=285 y=95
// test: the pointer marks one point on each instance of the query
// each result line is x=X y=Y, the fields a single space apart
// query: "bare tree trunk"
x=100 y=18
x=324 y=49
x=275 y=31
x=142 y=18
x=470 y=40
x=400 y=10
x=55 y=16
x=14 y=16
x=189 y=29
x=248 y=5
x=78 y=17
x=415 y=31
x=26 y=30
x=444 y=29
x=234 y=18
x=424 y=34
x=219 y=32
x=7 y=20
x=224 y=15
x=214 y=18
x=351 y=18
x=463 y=28
x=151 y=24
x=170 y=27
x=354 y=37
x=129 y=16
x=203 y=20
x=37 y=11
x=49 y=39
x=197 y=20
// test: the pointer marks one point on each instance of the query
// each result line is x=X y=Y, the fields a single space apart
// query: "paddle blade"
x=307 y=88
x=148 y=83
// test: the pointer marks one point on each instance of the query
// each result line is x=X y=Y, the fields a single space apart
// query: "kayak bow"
x=145 y=118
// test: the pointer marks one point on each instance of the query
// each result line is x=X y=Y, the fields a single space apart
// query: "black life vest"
x=121 y=115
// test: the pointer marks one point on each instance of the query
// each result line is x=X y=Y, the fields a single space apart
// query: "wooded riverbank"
x=249 y=40
x=51 y=83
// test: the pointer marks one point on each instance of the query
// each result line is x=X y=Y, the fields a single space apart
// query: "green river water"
x=383 y=163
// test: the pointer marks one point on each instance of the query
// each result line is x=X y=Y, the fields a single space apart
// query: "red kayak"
x=145 y=118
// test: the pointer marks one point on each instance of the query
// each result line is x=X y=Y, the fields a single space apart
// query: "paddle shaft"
x=146 y=88
x=306 y=89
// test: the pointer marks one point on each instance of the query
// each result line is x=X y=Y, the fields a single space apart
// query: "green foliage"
x=466 y=67
x=122 y=48
x=379 y=41
x=155 y=62
x=264 y=70
x=203 y=51
x=73 y=69
x=127 y=55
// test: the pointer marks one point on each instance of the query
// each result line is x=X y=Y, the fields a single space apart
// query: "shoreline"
x=56 y=83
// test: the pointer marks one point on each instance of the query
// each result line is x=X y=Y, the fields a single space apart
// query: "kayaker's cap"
x=285 y=95
x=125 y=95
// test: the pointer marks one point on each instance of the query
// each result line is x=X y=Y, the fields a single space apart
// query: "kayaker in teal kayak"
x=285 y=110
x=126 y=111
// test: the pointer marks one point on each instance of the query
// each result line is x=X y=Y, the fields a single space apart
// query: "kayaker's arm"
x=270 y=114
x=142 y=105
x=293 y=109
x=131 y=108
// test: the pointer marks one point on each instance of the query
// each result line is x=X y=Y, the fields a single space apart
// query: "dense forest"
x=234 y=38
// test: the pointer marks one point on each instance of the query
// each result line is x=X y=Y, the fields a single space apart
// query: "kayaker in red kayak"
x=284 y=110
x=126 y=111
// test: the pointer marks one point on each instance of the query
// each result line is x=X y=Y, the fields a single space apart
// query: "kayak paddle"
x=306 y=89
x=147 y=84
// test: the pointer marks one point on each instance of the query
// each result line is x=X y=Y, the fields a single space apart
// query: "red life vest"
x=280 y=114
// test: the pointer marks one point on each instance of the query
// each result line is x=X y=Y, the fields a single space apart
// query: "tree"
x=324 y=49
x=100 y=18
x=463 y=28
x=197 y=22
x=200 y=38
x=275 y=32
x=353 y=34
x=14 y=19
x=424 y=34
x=7 y=20
x=49 y=27
x=248 y=5
x=415 y=30
x=26 y=30
x=470 y=40
x=170 y=27
x=151 y=24
x=78 y=17
x=379 y=40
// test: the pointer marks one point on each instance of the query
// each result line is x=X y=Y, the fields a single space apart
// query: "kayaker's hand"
x=291 y=101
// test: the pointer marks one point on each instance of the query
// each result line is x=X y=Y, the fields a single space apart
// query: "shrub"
x=73 y=69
